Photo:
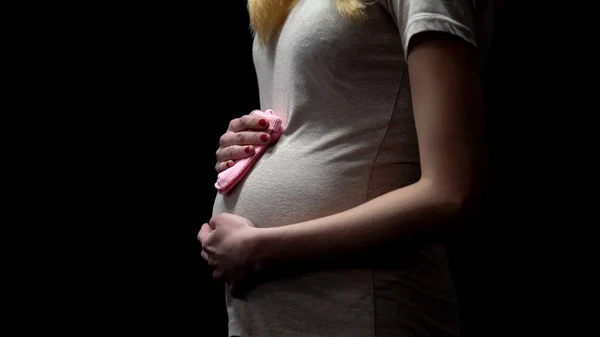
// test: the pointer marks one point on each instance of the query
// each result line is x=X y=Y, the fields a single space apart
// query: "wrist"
x=261 y=251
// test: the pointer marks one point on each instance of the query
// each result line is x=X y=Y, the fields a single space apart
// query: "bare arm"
x=449 y=119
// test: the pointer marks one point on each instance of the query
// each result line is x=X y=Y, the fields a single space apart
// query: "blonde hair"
x=267 y=16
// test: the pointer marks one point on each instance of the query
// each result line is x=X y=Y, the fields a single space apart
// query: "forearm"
x=418 y=210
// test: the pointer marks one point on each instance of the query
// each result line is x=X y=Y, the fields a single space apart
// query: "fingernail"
x=247 y=149
x=264 y=138
x=229 y=163
x=262 y=122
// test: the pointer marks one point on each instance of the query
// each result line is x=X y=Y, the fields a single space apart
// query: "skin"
x=448 y=112
x=238 y=141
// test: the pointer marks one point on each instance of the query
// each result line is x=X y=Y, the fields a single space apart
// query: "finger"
x=222 y=166
x=234 y=152
x=217 y=274
x=243 y=138
x=213 y=221
x=205 y=231
x=248 y=122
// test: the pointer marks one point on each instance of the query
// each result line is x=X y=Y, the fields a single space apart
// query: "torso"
x=342 y=90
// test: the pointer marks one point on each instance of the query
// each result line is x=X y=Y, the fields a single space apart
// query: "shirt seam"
x=368 y=188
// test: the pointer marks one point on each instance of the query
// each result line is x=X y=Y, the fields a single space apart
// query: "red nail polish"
x=247 y=149
x=262 y=122
x=264 y=138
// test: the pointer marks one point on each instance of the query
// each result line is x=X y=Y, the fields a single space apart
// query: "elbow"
x=463 y=203
x=456 y=201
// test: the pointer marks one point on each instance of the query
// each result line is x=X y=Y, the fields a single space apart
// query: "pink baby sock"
x=227 y=179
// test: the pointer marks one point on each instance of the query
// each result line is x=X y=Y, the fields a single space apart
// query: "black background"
x=161 y=85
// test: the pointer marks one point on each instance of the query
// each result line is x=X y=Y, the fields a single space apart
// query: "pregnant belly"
x=286 y=187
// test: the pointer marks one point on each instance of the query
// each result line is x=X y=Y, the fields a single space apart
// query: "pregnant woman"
x=339 y=221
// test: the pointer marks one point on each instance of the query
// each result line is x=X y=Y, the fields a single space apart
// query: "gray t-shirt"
x=343 y=92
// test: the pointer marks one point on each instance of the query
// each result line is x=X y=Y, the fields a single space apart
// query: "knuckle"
x=230 y=152
x=239 y=138
x=243 y=121
x=232 y=123
x=222 y=139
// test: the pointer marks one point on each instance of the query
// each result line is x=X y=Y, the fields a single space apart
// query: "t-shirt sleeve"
x=456 y=17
